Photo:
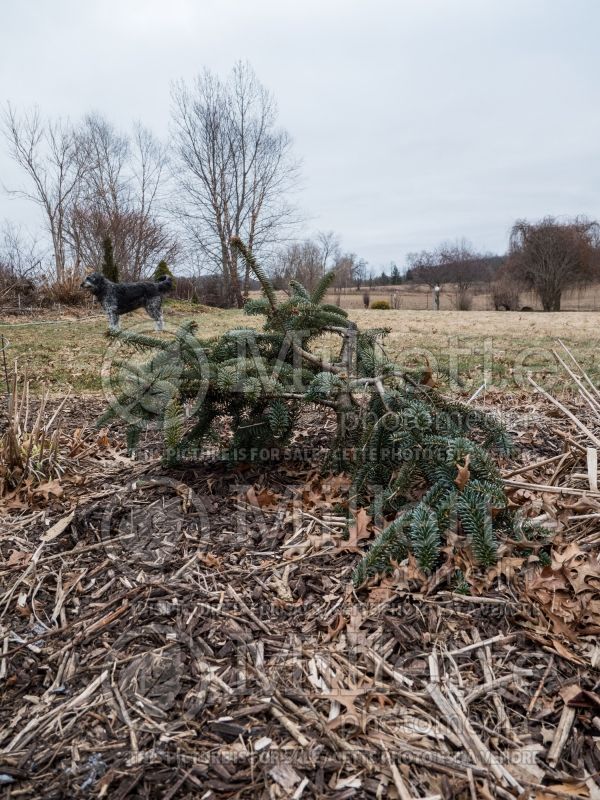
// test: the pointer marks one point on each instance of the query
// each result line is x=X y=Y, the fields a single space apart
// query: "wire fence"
x=421 y=298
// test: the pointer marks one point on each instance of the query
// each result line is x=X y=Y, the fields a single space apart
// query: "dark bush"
x=505 y=295
x=109 y=267
x=464 y=301
x=15 y=288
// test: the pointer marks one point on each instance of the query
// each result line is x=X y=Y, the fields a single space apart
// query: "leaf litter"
x=230 y=655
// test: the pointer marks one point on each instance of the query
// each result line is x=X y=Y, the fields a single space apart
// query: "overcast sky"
x=417 y=121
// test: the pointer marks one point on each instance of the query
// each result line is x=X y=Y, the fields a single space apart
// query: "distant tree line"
x=228 y=171
x=394 y=278
x=456 y=263
x=547 y=257
x=307 y=261
x=92 y=182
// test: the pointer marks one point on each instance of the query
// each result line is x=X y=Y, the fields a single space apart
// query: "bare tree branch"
x=234 y=170
x=48 y=154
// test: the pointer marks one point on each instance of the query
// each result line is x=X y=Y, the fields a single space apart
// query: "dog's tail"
x=165 y=284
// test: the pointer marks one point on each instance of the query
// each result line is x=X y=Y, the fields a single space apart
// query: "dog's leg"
x=113 y=319
x=154 y=311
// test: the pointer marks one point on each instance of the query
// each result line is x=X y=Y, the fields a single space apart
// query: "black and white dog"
x=121 y=298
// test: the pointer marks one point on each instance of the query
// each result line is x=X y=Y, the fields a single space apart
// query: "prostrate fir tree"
x=425 y=459
x=110 y=269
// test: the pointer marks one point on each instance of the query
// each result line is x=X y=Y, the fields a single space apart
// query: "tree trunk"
x=551 y=300
x=230 y=271
x=58 y=257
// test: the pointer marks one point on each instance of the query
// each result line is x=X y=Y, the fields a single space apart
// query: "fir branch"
x=321 y=288
x=476 y=520
x=299 y=291
x=392 y=544
x=341 y=312
x=267 y=286
x=425 y=537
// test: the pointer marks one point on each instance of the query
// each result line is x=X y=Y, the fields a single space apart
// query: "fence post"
x=3 y=343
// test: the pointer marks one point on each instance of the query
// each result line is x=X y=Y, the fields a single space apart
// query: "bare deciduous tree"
x=349 y=270
x=20 y=261
x=464 y=266
x=457 y=263
x=234 y=169
x=426 y=267
x=154 y=238
x=119 y=197
x=306 y=261
x=48 y=153
x=329 y=246
x=550 y=256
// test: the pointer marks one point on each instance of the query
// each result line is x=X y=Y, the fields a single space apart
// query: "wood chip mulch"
x=194 y=633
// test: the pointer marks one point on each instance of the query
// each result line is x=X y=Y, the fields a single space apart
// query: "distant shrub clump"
x=505 y=295
x=380 y=305
x=163 y=271
x=464 y=302
x=66 y=291
x=110 y=269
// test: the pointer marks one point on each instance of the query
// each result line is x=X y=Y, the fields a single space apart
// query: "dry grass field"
x=463 y=347
x=418 y=297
